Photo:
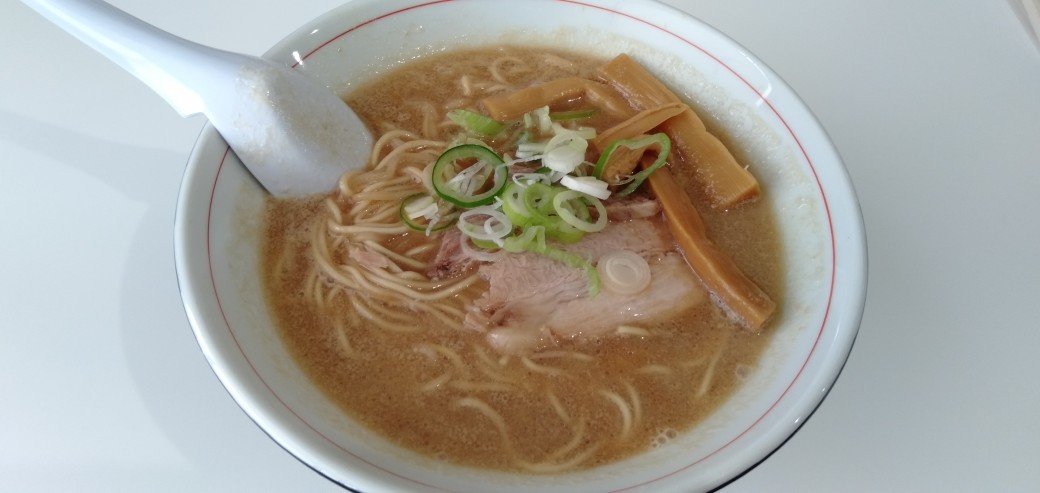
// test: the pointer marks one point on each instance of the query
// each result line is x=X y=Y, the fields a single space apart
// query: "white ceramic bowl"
x=219 y=211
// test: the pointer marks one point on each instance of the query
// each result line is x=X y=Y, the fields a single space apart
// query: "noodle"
x=655 y=369
x=489 y=367
x=481 y=386
x=563 y=354
x=386 y=140
x=491 y=414
x=563 y=466
x=548 y=466
x=466 y=85
x=420 y=249
x=637 y=404
x=496 y=68
x=548 y=370
x=450 y=355
x=623 y=409
x=558 y=407
x=364 y=309
x=625 y=330
x=560 y=62
x=709 y=374
x=342 y=339
x=579 y=433
x=375 y=228
x=436 y=382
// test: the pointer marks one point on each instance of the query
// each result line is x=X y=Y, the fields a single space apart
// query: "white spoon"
x=293 y=134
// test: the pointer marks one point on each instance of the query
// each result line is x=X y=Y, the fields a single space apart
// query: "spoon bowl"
x=293 y=134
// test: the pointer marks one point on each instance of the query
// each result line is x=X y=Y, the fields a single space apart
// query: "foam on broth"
x=389 y=385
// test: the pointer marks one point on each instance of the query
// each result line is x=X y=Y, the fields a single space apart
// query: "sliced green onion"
x=524 y=137
x=419 y=205
x=640 y=177
x=565 y=233
x=513 y=204
x=530 y=239
x=584 y=169
x=533 y=206
x=427 y=178
x=569 y=203
x=562 y=116
x=475 y=122
x=527 y=178
x=541 y=118
x=588 y=185
x=624 y=271
x=431 y=220
x=587 y=133
x=485 y=244
x=466 y=192
x=530 y=149
x=659 y=140
x=538 y=198
x=496 y=227
x=564 y=152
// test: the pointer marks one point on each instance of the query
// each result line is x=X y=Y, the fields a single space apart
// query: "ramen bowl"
x=219 y=227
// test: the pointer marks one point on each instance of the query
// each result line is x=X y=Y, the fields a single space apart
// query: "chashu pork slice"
x=532 y=301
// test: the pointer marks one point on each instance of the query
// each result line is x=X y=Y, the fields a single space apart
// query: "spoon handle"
x=170 y=65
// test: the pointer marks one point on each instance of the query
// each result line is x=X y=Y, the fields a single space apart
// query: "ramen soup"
x=549 y=264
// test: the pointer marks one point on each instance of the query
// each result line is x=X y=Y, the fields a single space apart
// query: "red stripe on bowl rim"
x=762 y=97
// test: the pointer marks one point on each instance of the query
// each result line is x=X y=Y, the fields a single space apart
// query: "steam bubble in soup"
x=482 y=336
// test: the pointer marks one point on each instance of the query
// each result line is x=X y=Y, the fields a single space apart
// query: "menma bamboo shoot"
x=725 y=182
x=643 y=122
x=728 y=285
x=509 y=107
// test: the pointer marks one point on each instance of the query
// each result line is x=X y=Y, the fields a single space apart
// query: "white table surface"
x=935 y=106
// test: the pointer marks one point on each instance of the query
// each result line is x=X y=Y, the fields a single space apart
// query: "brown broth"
x=380 y=387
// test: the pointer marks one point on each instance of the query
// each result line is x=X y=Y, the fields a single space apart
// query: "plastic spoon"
x=293 y=134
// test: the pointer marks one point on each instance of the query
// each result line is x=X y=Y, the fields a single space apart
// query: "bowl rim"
x=854 y=265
